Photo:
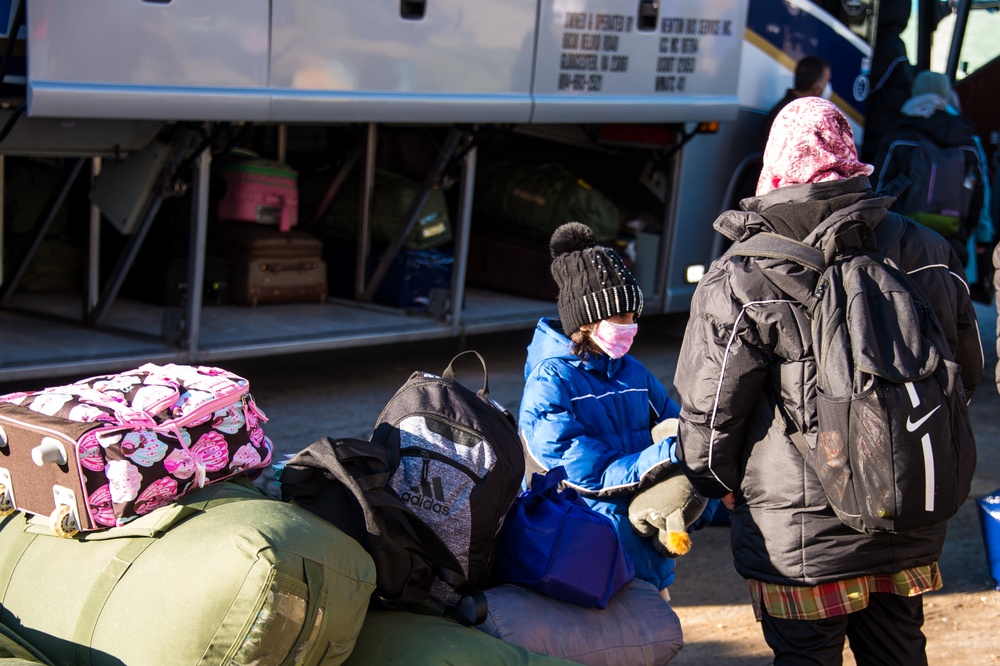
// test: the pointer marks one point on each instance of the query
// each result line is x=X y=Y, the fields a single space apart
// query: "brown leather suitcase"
x=511 y=264
x=272 y=266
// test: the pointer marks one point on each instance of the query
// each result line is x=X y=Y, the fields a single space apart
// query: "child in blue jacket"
x=590 y=407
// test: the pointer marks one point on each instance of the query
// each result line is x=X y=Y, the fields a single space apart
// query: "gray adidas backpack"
x=460 y=464
x=894 y=447
x=426 y=496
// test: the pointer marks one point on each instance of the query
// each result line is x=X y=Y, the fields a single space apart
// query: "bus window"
x=858 y=15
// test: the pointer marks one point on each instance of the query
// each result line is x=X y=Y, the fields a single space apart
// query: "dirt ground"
x=719 y=628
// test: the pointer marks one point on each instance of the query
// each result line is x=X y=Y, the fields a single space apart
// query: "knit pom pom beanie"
x=593 y=282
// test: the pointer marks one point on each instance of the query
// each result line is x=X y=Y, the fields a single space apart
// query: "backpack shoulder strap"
x=889 y=231
x=775 y=246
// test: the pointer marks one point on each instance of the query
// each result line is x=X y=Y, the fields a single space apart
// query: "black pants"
x=887 y=632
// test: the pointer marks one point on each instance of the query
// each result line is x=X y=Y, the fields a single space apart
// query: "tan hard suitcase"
x=272 y=266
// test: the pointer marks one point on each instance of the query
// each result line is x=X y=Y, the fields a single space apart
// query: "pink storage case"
x=259 y=191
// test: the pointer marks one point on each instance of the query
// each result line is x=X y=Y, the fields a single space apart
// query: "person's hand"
x=729 y=501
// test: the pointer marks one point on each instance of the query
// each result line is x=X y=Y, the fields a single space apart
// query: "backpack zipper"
x=426 y=455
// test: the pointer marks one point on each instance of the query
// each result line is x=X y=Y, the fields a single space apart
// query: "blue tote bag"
x=553 y=543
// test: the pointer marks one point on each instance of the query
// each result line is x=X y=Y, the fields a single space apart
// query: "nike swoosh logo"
x=913 y=425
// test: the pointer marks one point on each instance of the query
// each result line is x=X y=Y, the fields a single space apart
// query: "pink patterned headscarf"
x=810 y=142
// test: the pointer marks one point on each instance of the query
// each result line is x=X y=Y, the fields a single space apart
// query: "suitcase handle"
x=301 y=267
x=285 y=222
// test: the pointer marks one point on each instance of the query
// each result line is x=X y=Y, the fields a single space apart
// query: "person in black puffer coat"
x=812 y=579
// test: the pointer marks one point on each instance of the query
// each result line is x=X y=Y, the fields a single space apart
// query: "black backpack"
x=345 y=482
x=894 y=447
x=426 y=496
x=940 y=191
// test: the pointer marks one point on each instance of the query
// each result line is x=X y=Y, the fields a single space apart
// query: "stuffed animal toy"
x=665 y=510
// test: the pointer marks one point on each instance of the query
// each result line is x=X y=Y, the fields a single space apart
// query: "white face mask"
x=827 y=92
x=614 y=339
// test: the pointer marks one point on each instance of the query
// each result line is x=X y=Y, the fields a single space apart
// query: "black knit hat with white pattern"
x=593 y=281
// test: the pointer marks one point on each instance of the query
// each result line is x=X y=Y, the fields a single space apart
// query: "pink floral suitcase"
x=258 y=190
x=101 y=451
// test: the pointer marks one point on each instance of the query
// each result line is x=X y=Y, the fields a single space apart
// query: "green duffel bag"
x=15 y=651
x=225 y=575
x=535 y=199
x=392 y=196
x=403 y=638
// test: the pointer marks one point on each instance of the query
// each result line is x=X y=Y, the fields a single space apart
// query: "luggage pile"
x=428 y=496
x=128 y=502
x=132 y=533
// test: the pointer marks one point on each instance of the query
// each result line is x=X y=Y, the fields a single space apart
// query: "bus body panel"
x=680 y=63
x=182 y=60
x=445 y=61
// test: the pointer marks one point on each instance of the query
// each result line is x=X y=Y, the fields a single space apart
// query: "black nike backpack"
x=894 y=448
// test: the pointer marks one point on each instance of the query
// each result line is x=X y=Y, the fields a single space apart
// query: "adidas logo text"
x=428 y=496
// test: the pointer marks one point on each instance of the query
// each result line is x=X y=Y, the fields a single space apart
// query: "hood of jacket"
x=941 y=127
x=834 y=216
x=549 y=341
x=812 y=213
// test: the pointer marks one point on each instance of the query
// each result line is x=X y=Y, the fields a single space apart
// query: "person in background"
x=747 y=353
x=982 y=240
x=891 y=76
x=996 y=295
x=812 y=79
x=590 y=407
x=927 y=115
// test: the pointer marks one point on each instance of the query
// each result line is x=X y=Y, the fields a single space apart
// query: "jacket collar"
x=864 y=212
x=549 y=341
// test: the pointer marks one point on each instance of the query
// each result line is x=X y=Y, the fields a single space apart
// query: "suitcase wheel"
x=6 y=506
x=62 y=523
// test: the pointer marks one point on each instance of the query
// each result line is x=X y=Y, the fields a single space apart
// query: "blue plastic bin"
x=989 y=520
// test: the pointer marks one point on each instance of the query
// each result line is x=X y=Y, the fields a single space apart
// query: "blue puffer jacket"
x=593 y=417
